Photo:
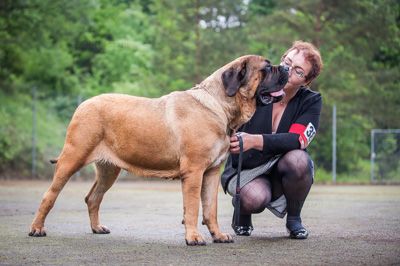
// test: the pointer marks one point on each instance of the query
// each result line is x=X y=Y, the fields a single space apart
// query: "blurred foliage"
x=72 y=50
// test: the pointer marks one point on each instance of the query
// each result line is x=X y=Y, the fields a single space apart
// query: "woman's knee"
x=255 y=195
x=296 y=165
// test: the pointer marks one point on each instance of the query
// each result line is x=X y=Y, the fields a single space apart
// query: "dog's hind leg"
x=106 y=174
x=70 y=161
x=209 y=198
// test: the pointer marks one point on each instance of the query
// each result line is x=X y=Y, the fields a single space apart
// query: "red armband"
x=306 y=134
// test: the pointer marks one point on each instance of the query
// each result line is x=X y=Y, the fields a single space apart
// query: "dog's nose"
x=284 y=68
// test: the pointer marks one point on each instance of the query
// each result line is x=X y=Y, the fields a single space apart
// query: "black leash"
x=239 y=169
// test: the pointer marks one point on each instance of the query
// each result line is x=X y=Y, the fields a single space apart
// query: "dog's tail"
x=53 y=161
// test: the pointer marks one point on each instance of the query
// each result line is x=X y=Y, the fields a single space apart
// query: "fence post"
x=33 y=171
x=372 y=154
x=334 y=144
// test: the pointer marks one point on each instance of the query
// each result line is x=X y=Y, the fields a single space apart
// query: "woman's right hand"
x=250 y=141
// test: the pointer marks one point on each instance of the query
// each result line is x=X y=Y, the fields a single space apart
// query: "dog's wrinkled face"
x=270 y=89
x=254 y=76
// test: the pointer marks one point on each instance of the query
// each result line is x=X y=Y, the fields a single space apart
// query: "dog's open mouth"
x=266 y=98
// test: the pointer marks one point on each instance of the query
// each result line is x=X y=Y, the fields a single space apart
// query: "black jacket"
x=296 y=129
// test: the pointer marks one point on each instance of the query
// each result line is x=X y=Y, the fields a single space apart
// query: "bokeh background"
x=54 y=54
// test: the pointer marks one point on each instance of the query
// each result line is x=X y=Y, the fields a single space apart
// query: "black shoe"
x=242 y=230
x=295 y=228
x=301 y=233
x=245 y=227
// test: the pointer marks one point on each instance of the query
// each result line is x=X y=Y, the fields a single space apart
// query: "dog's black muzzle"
x=270 y=89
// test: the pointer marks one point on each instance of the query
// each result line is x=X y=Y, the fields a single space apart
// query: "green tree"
x=351 y=36
x=64 y=49
x=71 y=50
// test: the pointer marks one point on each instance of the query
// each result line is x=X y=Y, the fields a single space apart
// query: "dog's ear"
x=234 y=78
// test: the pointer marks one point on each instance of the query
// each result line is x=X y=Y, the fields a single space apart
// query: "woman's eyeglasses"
x=288 y=65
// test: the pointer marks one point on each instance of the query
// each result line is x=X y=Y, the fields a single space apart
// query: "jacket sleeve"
x=301 y=131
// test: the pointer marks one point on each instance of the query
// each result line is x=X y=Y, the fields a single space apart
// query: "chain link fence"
x=385 y=155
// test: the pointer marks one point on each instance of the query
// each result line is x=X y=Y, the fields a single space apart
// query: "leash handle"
x=239 y=169
x=237 y=195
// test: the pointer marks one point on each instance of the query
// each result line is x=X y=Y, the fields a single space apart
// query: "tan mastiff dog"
x=184 y=135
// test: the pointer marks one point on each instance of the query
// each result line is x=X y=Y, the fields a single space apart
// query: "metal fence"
x=385 y=155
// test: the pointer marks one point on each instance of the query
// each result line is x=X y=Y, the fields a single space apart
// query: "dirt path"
x=349 y=225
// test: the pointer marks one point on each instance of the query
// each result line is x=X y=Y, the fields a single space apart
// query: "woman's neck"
x=289 y=94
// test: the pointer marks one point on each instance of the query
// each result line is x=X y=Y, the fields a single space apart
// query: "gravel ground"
x=349 y=225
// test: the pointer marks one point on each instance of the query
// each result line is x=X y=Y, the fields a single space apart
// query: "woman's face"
x=299 y=68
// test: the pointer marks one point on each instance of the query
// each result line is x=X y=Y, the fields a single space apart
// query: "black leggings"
x=291 y=176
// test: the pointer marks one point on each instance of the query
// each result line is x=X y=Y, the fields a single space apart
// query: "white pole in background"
x=372 y=154
x=334 y=144
x=33 y=132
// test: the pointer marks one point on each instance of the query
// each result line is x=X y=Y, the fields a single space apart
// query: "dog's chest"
x=221 y=152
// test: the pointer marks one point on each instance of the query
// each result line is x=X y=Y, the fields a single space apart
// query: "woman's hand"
x=250 y=141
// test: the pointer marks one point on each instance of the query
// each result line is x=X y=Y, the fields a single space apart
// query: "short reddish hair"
x=311 y=54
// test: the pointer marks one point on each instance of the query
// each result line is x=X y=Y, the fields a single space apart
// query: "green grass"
x=360 y=176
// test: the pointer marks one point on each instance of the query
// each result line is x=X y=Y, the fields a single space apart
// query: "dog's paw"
x=222 y=238
x=100 y=229
x=195 y=239
x=37 y=231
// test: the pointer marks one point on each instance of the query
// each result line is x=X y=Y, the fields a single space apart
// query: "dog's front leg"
x=209 y=198
x=191 y=186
